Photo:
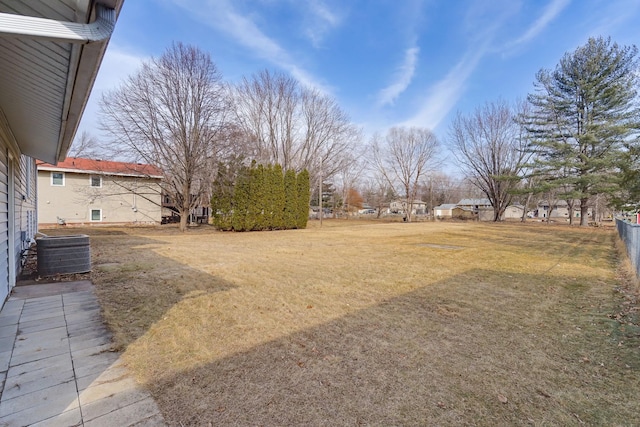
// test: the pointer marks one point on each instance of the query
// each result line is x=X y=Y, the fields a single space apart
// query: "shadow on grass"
x=136 y=286
x=481 y=348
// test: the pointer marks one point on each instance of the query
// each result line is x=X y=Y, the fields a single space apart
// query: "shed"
x=444 y=210
x=461 y=212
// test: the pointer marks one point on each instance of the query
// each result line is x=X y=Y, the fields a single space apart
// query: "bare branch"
x=403 y=157
x=172 y=114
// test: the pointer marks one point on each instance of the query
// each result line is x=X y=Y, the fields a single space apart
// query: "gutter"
x=60 y=31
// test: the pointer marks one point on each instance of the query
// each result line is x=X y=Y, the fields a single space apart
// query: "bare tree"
x=172 y=114
x=347 y=176
x=87 y=146
x=490 y=147
x=296 y=127
x=439 y=188
x=377 y=192
x=403 y=157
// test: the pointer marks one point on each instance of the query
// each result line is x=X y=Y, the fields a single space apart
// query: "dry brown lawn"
x=366 y=323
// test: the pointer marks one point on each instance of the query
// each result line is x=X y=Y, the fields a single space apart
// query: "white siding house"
x=475 y=204
x=401 y=206
x=89 y=192
x=50 y=52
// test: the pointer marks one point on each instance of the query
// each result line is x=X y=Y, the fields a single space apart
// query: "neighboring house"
x=87 y=191
x=48 y=68
x=560 y=209
x=474 y=204
x=418 y=207
x=514 y=212
x=510 y=212
x=443 y=211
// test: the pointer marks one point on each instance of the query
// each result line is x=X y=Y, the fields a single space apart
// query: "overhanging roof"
x=45 y=81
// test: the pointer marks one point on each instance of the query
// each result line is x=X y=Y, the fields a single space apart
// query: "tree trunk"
x=570 y=215
x=496 y=214
x=184 y=216
x=584 y=220
x=524 y=210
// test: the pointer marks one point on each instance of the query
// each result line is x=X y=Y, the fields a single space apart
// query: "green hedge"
x=260 y=198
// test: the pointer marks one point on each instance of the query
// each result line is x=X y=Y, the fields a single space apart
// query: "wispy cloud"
x=222 y=16
x=321 y=20
x=443 y=96
x=551 y=11
x=118 y=63
x=404 y=76
x=483 y=22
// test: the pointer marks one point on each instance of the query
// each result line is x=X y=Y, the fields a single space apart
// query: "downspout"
x=89 y=42
x=60 y=31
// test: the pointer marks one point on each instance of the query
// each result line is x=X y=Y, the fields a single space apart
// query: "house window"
x=96 y=181
x=57 y=179
x=96 y=214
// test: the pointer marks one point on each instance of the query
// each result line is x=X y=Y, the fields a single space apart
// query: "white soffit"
x=45 y=84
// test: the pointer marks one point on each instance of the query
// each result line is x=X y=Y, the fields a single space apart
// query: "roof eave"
x=80 y=85
x=89 y=34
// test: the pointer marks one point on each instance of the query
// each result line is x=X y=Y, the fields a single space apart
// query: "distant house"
x=514 y=212
x=444 y=210
x=474 y=204
x=558 y=209
x=510 y=212
x=86 y=191
x=418 y=207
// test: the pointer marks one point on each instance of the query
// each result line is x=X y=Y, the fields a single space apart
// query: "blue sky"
x=387 y=62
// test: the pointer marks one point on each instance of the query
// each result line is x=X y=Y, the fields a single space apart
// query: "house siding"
x=25 y=196
x=17 y=207
x=5 y=282
x=121 y=199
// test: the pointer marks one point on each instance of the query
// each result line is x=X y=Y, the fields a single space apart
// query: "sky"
x=386 y=62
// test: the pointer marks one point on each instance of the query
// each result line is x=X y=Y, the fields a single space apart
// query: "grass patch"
x=374 y=324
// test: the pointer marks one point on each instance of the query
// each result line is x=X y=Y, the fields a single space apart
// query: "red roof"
x=102 y=166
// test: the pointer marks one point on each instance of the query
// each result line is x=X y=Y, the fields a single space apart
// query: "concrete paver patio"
x=56 y=363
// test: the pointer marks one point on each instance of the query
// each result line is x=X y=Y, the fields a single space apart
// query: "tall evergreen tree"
x=290 y=200
x=241 y=201
x=303 y=193
x=585 y=112
x=258 y=198
x=222 y=196
x=277 y=199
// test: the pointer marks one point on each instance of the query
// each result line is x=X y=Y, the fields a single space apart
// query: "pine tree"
x=290 y=200
x=241 y=201
x=251 y=218
x=222 y=197
x=278 y=201
x=584 y=112
x=303 y=193
x=258 y=198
